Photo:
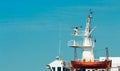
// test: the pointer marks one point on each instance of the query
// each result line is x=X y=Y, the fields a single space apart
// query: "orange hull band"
x=92 y=65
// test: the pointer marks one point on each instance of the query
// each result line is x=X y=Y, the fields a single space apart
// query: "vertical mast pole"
x=107 y=54
x=75 y=54
x=87 y=30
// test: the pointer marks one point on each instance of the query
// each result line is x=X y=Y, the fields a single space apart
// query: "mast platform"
x=76 y=44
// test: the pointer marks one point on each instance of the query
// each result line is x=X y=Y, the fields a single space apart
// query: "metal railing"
x=75 y=43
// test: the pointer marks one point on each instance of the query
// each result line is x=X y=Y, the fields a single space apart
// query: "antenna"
x=58 y=57
x=59 y=50
x=59 y=47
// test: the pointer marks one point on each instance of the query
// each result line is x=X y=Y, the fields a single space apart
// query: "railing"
x=75 y=43
x=79 y=44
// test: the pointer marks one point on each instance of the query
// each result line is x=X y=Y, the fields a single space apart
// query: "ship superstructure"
x=59 y=65
x=86 y=44
x=87 y=61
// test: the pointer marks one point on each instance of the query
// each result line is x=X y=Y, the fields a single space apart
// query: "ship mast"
x=87 y=44
x=87 y=54
x=87 y=30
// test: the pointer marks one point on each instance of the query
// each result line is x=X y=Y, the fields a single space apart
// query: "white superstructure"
x=59 y=65
x=86 y=44
x=115 y=63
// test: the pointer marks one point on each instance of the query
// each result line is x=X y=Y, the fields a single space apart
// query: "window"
x=67 y=69
x=53 y=68
x=64 y=69
x=59 y=69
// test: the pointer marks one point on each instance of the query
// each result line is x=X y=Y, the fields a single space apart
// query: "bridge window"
x=53 y=68
x=64 y=69
x=67 y=69
x=59 y=69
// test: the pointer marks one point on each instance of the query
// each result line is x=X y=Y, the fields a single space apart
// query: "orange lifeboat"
x=92 y=65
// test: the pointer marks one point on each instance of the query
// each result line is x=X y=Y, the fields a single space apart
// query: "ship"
x=86 y=44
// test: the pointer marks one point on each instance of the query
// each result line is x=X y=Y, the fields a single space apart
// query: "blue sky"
x=30 y=30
